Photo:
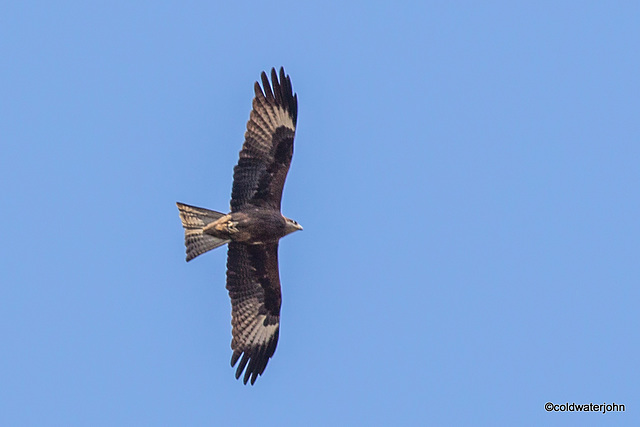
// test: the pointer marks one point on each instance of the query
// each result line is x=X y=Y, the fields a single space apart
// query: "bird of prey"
x=254 y=226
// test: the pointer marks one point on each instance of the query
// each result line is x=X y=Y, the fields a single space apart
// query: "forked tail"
x=194 y=220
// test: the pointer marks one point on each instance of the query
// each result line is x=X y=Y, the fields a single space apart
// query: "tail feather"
x=194 y=220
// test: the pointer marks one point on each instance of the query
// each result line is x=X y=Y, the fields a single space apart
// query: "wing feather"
x=259 y=176
x=253 y=283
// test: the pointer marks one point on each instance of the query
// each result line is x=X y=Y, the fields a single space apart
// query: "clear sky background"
x=466 y=175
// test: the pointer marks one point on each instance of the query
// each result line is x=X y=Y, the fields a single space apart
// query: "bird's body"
x=254 y=226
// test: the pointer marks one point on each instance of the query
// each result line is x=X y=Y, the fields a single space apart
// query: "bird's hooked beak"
x=292 y=226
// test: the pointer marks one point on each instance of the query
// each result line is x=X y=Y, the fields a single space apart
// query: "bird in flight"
x=254 y=226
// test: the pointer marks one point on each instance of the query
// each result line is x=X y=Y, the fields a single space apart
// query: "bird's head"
x=292 y=225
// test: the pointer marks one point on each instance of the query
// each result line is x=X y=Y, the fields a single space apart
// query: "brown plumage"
x=254 y=226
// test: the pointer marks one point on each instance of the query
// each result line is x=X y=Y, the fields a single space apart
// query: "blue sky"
x=466 y=175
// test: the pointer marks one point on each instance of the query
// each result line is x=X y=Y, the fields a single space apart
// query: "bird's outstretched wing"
x=253 y=282
x=259 y=176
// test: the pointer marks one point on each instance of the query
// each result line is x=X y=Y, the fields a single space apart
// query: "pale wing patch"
x=283 y=119
x=264 y=126
x=257 y=333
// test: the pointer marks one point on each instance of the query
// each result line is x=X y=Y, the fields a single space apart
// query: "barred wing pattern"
x=253 y=283
x=258 y=178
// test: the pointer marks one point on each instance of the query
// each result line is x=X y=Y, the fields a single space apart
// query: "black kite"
x=254 y=226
